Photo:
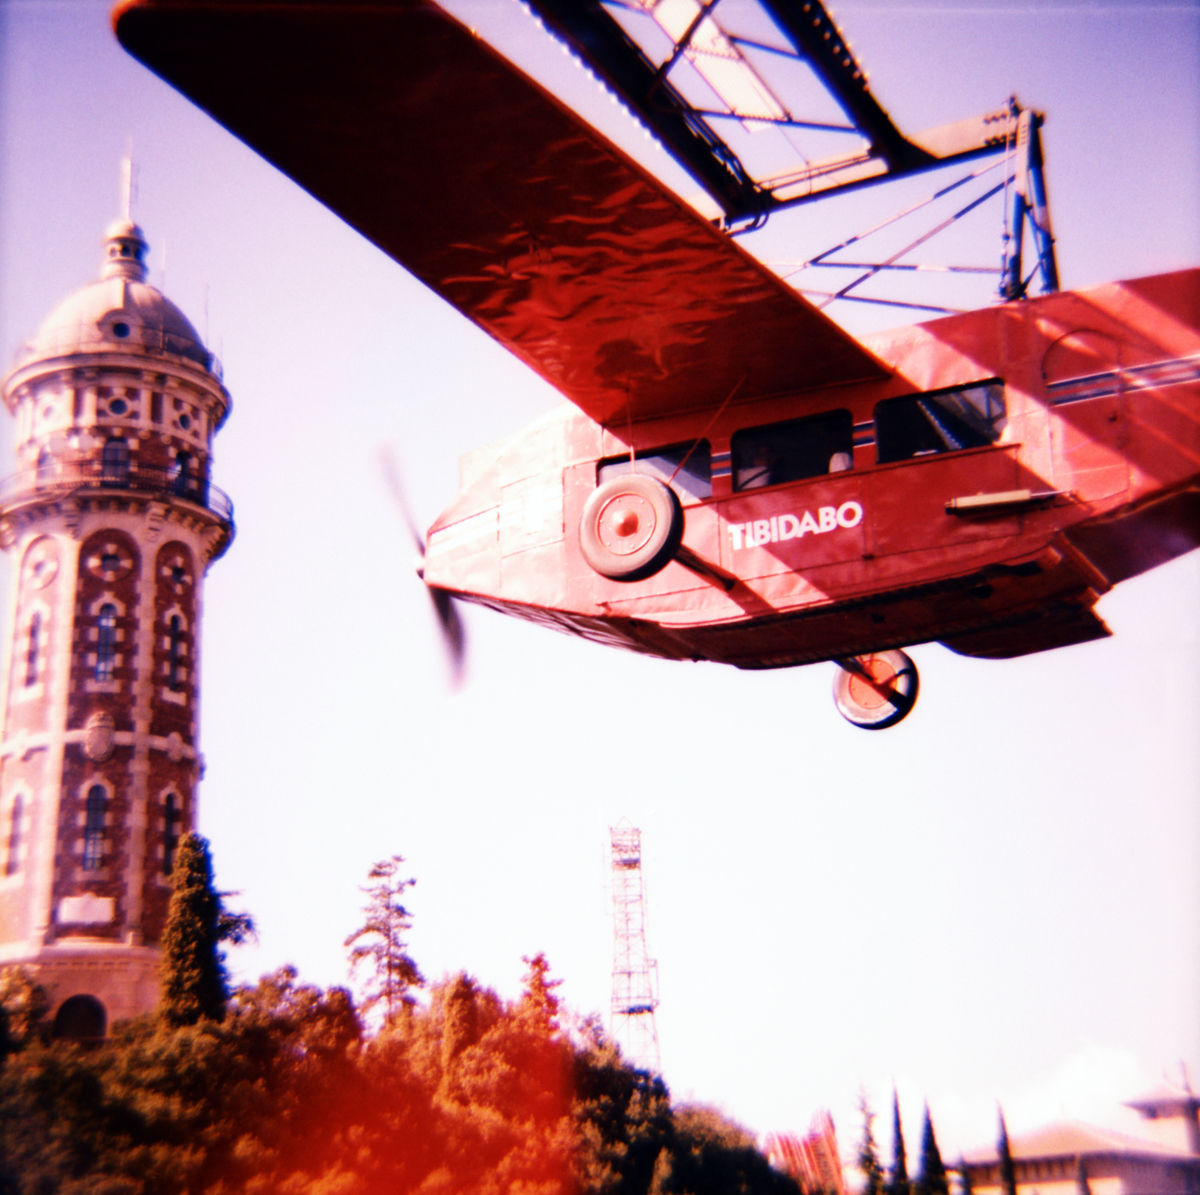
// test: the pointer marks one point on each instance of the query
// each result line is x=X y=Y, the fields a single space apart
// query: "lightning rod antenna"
x=128 y=182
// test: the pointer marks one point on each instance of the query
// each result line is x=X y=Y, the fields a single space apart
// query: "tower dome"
x=119 y=312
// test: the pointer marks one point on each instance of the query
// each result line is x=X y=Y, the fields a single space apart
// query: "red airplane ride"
x=735 y=478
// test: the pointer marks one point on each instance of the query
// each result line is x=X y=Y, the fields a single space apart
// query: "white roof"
x=1071 y=1139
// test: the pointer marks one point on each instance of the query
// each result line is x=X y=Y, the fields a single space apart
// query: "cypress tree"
x=194 y=983
x=899 y=1176
x=1008 y=1172
x=931 y=1178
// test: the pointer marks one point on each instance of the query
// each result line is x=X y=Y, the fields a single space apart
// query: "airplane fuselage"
x=1015 y=463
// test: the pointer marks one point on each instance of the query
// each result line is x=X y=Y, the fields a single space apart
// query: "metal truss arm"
x=612 y=54
x=1029 y=205
x=687 y=132
x=811 y=30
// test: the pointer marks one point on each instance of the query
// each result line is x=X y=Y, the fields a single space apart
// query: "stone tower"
x=112 y=523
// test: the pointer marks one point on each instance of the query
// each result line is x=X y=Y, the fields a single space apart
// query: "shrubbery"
x=283 y=1091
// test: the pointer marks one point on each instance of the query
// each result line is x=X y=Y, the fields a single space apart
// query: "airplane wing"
x=497 y=197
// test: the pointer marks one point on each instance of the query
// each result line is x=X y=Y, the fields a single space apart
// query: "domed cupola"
x=119 y=313
x=125 y=251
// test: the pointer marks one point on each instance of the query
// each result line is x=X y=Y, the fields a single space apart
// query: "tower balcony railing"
x=64 y=477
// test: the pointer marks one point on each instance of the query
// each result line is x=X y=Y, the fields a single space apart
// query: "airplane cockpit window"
x=693 y=481
x=925 y=424
x=793 y=450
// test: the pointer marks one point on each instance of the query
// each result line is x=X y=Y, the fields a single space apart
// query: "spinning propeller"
x=454 y=633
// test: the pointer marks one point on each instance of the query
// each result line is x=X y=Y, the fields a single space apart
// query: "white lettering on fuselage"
x=782 y=527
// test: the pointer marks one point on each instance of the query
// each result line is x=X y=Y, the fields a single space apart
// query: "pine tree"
x=868 y=1152
x=898 y=1184
x=538 y=998
x=931 y=1178
x=194 y=982
x=1008 y=1172
x=380 y=941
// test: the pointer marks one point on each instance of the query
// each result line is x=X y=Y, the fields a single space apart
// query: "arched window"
x=174 y=667
x=114 y=462
x=93 y=829
x=31 y=653
x=81 y=1018
x=45 y=465
x=12 y=856
x=106 y=642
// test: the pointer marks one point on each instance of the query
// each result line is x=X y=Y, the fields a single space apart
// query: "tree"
x=709 y=1154
x=931 y=1178
x=1008 y=1172
x=868 y=1152
x=194 y=981
x=460 y=1019
x=380 y=941
x=898 y=1184
x=538 y=998
x=623 y=1119
x=23 y=1008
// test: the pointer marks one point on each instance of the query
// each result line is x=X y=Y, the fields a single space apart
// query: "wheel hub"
x=625 y=524
x=867 y=694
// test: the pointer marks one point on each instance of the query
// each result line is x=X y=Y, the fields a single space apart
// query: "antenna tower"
x=635 y=975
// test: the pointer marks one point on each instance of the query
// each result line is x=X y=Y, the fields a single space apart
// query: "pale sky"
x=996 y=900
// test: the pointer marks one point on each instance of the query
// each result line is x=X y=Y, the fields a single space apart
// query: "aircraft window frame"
x=797 y=454
x=925 y=424
x=693 y=482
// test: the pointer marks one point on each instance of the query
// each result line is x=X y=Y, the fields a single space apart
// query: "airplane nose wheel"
x=631 y=527
x=875 y=691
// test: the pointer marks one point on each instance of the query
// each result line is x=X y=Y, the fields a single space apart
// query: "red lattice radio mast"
x=635 y=974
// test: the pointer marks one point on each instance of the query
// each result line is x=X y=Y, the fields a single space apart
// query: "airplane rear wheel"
x=876 y=691
x=631 y=527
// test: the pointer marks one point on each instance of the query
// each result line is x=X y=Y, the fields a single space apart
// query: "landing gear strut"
x=875 y=691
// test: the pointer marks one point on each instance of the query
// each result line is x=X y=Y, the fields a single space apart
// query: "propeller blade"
x=391 y=474
x=450 y=623
x=454 y=633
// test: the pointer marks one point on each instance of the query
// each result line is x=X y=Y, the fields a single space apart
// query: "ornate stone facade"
x=112 y=521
